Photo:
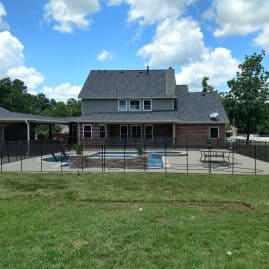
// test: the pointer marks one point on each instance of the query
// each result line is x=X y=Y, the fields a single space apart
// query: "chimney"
x=170 y=84
x=147 y=69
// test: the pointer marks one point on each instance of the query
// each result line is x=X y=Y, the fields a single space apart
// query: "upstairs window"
x=102 y=131
x=87 y=131
x=147 y=105
x=122 y=105
x=214 y=132
x=135 y=105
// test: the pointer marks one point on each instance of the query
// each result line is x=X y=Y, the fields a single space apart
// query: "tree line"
x=14 y=97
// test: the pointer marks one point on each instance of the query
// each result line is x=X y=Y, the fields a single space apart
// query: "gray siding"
x=111 y=105
x=93 y=106
x=162 y=104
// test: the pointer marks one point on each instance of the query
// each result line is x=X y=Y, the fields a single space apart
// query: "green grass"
x=95 y=221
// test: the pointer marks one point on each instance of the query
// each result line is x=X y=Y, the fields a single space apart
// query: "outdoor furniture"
x=215 y=155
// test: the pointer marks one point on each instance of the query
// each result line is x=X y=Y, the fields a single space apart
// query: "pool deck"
x=189 y=163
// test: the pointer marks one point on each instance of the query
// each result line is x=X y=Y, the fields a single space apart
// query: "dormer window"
x=147 y=105
x=122 y=105
x=135 y=105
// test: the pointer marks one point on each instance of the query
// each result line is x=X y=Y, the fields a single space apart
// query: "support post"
x=50 y=131
x=78 y=134
x=28 y=137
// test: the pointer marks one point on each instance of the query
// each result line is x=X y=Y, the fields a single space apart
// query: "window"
x=135 y=105
x=122 y=105
x=147 y=105
x=87 y=131
x=136 y=131
x=214 y=132
x=102 y=131
x=148 y=132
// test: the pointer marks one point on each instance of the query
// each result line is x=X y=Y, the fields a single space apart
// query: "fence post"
x=187 y=158
x=61 y=157
x=21 y=155
x=124 y=150
x=1 y=159
x=232 y=159
x=255 y=153
x=145 y=155
x=41 y=156
x=82 y=157
x=210 y=159
x=165 y=161
x=104 y=158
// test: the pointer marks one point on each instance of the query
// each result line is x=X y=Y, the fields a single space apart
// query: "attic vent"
x=122 y=72
x=141 y=72
x=214 y=116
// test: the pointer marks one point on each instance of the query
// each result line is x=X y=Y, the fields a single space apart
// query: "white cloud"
x=11 y=52
x=104 y=55
x=262 y=39
x=3 y=13
x=62 y=92
x=176 y=42
x=218 y=65
x=12 y=62
x=152 y=11
x=28 y=75
x=68 y=14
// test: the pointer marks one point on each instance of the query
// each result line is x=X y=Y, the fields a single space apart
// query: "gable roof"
x=125 y=84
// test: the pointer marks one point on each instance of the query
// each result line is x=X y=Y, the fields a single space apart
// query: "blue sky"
x=53 y=44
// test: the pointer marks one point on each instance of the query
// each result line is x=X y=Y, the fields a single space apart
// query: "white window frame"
x=210 y=132
x=145 y=132
x=132 y=131
x=144 y=104
x=103 y=125
x=126 y=105
x=87 y=125
x=127 y=130
x=130 y=108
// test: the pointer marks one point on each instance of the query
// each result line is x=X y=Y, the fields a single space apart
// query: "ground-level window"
x=136 y=131
x=87 y=131
x=147 y=105
x=135 y=105
x=148 y=132
x=122 y=105
x=102 y=131
x=214 y=132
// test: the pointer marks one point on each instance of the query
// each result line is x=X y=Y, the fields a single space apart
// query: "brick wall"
x=197 y=135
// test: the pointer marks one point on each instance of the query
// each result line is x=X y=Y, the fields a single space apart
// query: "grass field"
x=133 y=221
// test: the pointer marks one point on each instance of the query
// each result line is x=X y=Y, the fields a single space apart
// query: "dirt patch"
x=207 y=205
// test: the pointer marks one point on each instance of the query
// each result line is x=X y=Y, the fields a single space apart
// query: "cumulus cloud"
x=176 y=42
x=28 y=75
x=3 y=23
x=12 y=62
x=62 y=92
x=104 y=55
x=67 y=14
x=152 y=11
x=262 y=39
x=218 y=65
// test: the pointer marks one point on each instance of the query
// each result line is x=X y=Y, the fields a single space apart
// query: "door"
x=123 y=133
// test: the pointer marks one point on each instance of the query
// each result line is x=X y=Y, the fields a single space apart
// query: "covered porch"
x=155 y=134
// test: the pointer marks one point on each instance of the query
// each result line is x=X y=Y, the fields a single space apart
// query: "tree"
x=245 y=103
x=206 y=87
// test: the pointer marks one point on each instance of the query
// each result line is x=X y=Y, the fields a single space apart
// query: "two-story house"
x=146 y=106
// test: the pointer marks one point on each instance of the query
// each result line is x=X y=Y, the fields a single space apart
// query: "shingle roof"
x=6 y=115
x=194 y=107
x=124 y=84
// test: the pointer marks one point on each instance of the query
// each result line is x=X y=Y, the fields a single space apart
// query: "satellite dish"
x=214 y=116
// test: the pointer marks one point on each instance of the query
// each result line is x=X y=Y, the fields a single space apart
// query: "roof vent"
x=122 y=72
x=214 y=116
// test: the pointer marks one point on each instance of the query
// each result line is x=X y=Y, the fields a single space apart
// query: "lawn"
x=134 y=221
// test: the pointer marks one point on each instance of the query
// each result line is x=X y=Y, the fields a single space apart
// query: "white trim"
x=148 y=125
x=139 y=104
x=126 y=105
x=143 y=102
x=87 y=131
x=127 y=130
x=210 y=132
x=105 y=130
x=132 y=130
